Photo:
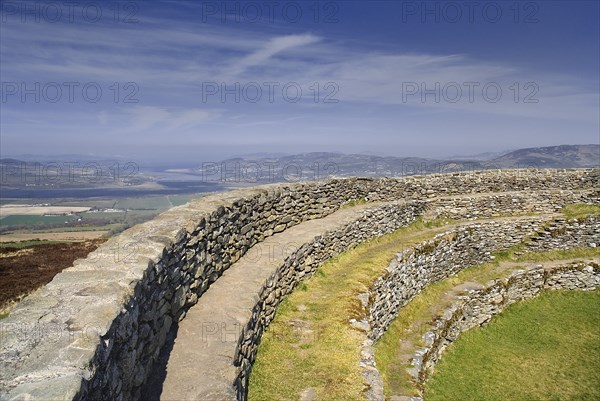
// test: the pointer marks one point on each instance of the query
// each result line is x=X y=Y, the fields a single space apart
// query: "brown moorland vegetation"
x=23 y=270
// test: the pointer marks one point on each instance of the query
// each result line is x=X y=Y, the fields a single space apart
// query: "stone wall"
x=493 y=205
x=446 y=254
x=302 y=263
x=477 y=182
x=468 y=245
x=472 y=244
x=567 y=234
x=478 y=307
x=168 y=263
x=94 y=332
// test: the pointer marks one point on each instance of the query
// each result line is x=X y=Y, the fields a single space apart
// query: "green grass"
x=547 y=348
x=412 y=322
x=413 y=319
x=310 y=342
x=22 y=219
x=580 y=210
x=353 y=203
x=30 y=243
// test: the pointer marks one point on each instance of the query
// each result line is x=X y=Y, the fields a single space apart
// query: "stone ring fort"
x=218 y=267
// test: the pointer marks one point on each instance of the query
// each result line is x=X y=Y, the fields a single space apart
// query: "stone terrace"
x=96 y=330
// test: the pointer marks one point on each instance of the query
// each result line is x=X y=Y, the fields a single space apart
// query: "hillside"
x=564 y=156
x=317 y=165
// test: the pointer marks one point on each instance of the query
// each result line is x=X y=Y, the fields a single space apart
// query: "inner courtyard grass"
x=547 y=348
x=405 y=333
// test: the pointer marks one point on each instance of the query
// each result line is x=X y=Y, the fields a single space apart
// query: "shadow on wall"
x=153 y=388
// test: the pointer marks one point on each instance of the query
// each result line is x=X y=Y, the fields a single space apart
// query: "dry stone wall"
x=494 y=205
x=182 y=253
x=468 y=245
x=480 y=305
x=446 y=254
x=303 y=263
x=472 y=244
x=94 y=332
x=567 y=234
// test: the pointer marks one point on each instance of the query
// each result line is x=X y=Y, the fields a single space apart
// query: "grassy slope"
x=580 y=210
x=412 y=320
x=547 y=348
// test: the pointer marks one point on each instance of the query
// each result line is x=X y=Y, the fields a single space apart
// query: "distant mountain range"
x=564 y=156
x=266 y=168
x=318 y=165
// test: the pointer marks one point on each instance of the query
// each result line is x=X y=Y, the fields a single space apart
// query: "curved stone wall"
x=446 y=254
x=412 y=270
x=472 y=244
x=466 y=246
x=478 y=207
x=302 y=263
x=96 y=329
x=480 y=305
x=115 y=312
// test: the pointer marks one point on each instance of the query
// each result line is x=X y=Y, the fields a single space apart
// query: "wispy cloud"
x=271 y=48
x=146 y=118
x=170 y=60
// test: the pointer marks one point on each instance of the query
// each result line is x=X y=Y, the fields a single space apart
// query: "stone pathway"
x=200 y=364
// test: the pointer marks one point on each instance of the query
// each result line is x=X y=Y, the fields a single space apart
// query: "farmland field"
x=35 y=246
x=9 y=210
x=27 y=219
x=19 y=219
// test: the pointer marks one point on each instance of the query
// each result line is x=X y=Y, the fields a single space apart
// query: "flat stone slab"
x=200 y=366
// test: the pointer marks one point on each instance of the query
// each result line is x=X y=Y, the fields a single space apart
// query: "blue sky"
x=193 y=81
